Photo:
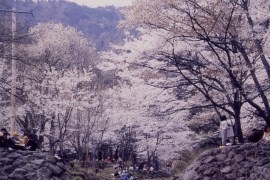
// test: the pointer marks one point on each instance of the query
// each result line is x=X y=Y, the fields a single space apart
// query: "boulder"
x=248 y=161
x=31 y=175
x=44 y=172
x=19 y=163
x=14 y=155
x=54 y=169
x=37 y=162
x=29 y=165
x=6 y=161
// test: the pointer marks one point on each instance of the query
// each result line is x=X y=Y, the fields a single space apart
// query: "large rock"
x=14 y=155
x=247 y=161
x=55 y=169
x=6 y=161
x=29 y=165
x=19 y=163
x=31 y=175
x=44 y=172
x=18 y=174
x=37 y=162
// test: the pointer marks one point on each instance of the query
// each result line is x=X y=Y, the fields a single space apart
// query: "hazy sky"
x=96 y=3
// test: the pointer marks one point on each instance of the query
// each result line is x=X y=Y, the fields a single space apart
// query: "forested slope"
x=99 y=24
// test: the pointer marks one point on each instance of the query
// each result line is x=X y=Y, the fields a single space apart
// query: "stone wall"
x=24 y=165
x=242 y=162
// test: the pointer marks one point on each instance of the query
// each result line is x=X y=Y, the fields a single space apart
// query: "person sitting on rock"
x=3 y=138
x=255 y=135
x=31 y=144
x=116 y=174
x=15 y=143
x=266 y=134
x=18 y=144
x=4 y=130
x=24 y=140
x=15 y=138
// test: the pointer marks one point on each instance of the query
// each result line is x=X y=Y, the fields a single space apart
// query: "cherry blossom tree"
x=207 y=43
x=56 y=81
x=138 y=103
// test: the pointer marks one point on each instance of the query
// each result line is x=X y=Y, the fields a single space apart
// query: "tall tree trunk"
x=51 y=138
x=41 y=131
x=78 y=135
x=238 y=129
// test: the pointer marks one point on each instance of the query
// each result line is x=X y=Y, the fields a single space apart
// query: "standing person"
x=141 y=166
x=230 y=131
x=120 y=163
x=223 y=130
x=116 y=154
x=156 y=164
x=169 y=167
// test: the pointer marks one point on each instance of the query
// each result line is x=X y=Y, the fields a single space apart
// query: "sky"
x=96 y=3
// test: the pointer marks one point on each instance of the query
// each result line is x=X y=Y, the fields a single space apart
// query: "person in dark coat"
x=141 y=166
x=255 y=135
x=31 y=144
x=4 y=138
x=156 y=164
x=116 y=154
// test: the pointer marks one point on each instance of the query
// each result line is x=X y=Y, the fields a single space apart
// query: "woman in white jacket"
x=226 y=130
x=223 y=130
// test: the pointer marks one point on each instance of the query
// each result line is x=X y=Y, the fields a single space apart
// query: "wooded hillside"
x=99 y=24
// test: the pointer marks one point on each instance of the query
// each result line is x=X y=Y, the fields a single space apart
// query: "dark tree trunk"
x=237 y=128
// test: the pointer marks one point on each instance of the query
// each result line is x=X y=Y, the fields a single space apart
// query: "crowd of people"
x=15 y=142
x=127 y=172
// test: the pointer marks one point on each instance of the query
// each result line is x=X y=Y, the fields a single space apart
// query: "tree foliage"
x=216 y=48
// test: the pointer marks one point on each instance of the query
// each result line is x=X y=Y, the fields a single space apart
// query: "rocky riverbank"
x=242 y=162
x=24 y=165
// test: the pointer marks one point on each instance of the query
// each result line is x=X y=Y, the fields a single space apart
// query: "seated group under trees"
x=25 y=143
